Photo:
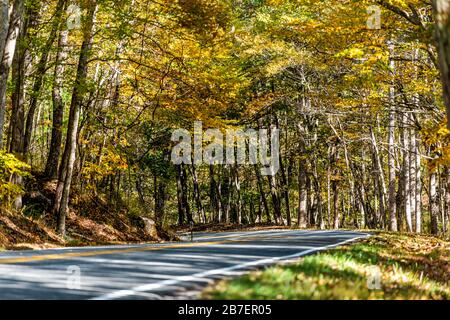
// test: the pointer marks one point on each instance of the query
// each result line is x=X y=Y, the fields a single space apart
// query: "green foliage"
x=10 y=166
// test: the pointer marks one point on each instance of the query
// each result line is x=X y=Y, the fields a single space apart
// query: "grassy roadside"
x=407 y=266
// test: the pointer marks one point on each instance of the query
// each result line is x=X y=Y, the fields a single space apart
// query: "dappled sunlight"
x=160 y=269
x=346 y=273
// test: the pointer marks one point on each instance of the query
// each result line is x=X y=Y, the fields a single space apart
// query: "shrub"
x=10 y=167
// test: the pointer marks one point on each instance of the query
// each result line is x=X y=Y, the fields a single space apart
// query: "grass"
x=407 y=266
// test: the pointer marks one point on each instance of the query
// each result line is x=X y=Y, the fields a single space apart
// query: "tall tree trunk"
x=140 y=191
x=51 y=168
x=69 y=156
x=441 y=9
x=363 y=193
x=40 y=72
x=336 y=214
x=15 y=22
x=392 y=201
x=181 y=208
x=275 y=199
x=285 y=191
x=400 y=203
x=318 y=191
x=185 y=194
x=18 y=95
x=197 y=195
x=20 y=71
x=4 y=25
x=213 y=195
x=262 y=194
x=238 y=201
x=329 y=189
x=407 y=172
x=418 y=187
x=284 y=180
x=447 y=197
x=380 y=178
x=434 y=204
x=302 y=194
x=413 y=175
x=333 y=159
x=442 y=199
x=160 y=201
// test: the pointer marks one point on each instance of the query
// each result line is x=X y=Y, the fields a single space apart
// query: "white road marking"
x=223 y=271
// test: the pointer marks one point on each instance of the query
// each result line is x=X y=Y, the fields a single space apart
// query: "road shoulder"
x=385 y=266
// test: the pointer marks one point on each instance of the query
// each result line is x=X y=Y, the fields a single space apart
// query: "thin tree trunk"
x=160 y=201
x=418 y=188
x=40 y=72
x=184 y=185
x=213 y=195
x=392 y=201
x=441 y=9
x=406 y=173
x=329 y=190
x=380 y=177
x=197 y=195
x=413 y=175
x=303 y=195
x=275 y=199
x=181 y=208
x=400 y=203
x=8 y=55
x=447 y=197
x=18 y=95
x=262 y=194
x=434 y=204
x=336 y=214
x=4 y=25
x=51 y=168
x=318 y=191
x=284 y=181
x=140 y=191
x=238 y=202
x=69 y=156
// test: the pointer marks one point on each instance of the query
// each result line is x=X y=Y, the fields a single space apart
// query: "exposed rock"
x=150 y=227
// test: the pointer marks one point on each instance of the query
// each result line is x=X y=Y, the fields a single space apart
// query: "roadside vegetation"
x=385 y=266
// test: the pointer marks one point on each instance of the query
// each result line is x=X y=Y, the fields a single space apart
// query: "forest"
x=91 y=92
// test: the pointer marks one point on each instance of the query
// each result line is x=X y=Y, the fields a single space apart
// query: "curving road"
x=154 y=271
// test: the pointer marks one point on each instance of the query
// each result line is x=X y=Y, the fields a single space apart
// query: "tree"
x=15 y=23
x=79 y=90
x=4 y=25
x=441 y=9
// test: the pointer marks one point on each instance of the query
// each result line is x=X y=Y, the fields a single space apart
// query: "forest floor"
x=385 y=266
x=19 y=232
x=91 y=221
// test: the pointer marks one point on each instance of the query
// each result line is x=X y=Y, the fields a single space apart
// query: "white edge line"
x=223 y=271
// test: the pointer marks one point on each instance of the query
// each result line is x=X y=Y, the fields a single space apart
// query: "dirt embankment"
x=91 y=221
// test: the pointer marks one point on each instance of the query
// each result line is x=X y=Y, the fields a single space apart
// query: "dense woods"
x=91 y=91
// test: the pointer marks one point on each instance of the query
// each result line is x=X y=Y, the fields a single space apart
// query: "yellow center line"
x=68 y=255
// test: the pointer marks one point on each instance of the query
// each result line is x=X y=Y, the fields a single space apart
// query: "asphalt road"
x=154 y=271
